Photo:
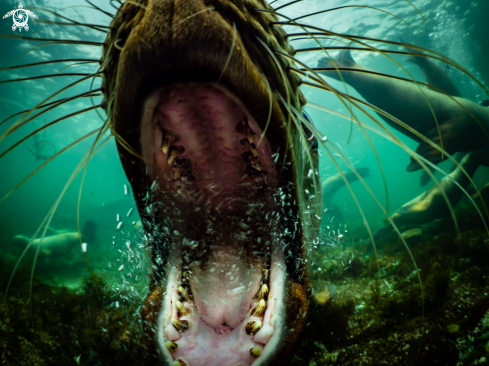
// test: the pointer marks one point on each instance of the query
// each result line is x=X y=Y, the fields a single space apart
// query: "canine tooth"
x=180 y=325
x=184 y=293
x=174 y=152
x=255 y=352
x=262 y=293
x=182 y=310
x=169 y=137
x=249 y=145
x=259 y=309
x=255 y=163
x=179 y=362
x=171 y=346
x=252 y=327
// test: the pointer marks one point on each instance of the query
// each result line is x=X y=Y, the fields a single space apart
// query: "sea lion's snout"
x=20 y=240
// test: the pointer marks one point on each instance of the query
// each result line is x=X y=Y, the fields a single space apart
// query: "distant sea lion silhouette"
x=435 y=75
x=332 y=184
x=54 y=246
x=61 y=242
x=459 y=131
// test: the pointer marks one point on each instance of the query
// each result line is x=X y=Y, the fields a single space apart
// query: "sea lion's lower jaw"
x=187 y=329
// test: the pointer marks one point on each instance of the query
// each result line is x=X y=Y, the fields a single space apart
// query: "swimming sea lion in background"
x=332 y=184
x=460 y=132
x=54 y=246
x=61 y=242
x=434 y=74
x=225 y=221
x=431 y=205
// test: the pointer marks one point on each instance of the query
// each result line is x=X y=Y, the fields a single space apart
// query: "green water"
x=457 y=29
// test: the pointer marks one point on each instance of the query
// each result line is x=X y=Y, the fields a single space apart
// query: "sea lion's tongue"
x=224 y=289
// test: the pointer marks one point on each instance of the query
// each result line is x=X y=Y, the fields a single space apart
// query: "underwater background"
x=350 y=325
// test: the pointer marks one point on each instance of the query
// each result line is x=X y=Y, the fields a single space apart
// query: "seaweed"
x=92 y=326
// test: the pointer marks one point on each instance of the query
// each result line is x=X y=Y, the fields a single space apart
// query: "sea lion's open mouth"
x=224 y=294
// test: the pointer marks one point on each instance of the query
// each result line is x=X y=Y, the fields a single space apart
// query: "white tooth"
x=264 y=334
x=171 y=333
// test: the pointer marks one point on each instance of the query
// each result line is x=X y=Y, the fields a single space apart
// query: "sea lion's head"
x=206 y=114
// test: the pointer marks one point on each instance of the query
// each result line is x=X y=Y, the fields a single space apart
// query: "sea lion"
x=222 y=203
x=62 y=242
x=54 y=246
x=459 y=130
x=332 y=184
x=434 y=74
x=431 y=205
x=437 y=77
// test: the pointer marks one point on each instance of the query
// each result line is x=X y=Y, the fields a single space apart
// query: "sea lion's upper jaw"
x=172 y=42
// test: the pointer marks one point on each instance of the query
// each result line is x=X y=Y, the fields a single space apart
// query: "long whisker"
x=355 y=38
x=53 y=40
x=427 y=162
x=92 y=26
x=49 y=160
x=100 y=9
x=415 y=156
x=57 y=103
x=84 y=60
x=394 y=226
x=46 y=126
x=102 y=131
x=327 y=87
x=233 y=43
x=342 y=100
x=354 y=6
x=395 y=62
x=415 y=8
x=282 y=74
x=115 y=7
x=73 y=22
x=44 y=76
x=414 y=132
x=16 y=123
x=49 y=217
x=285 y=5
